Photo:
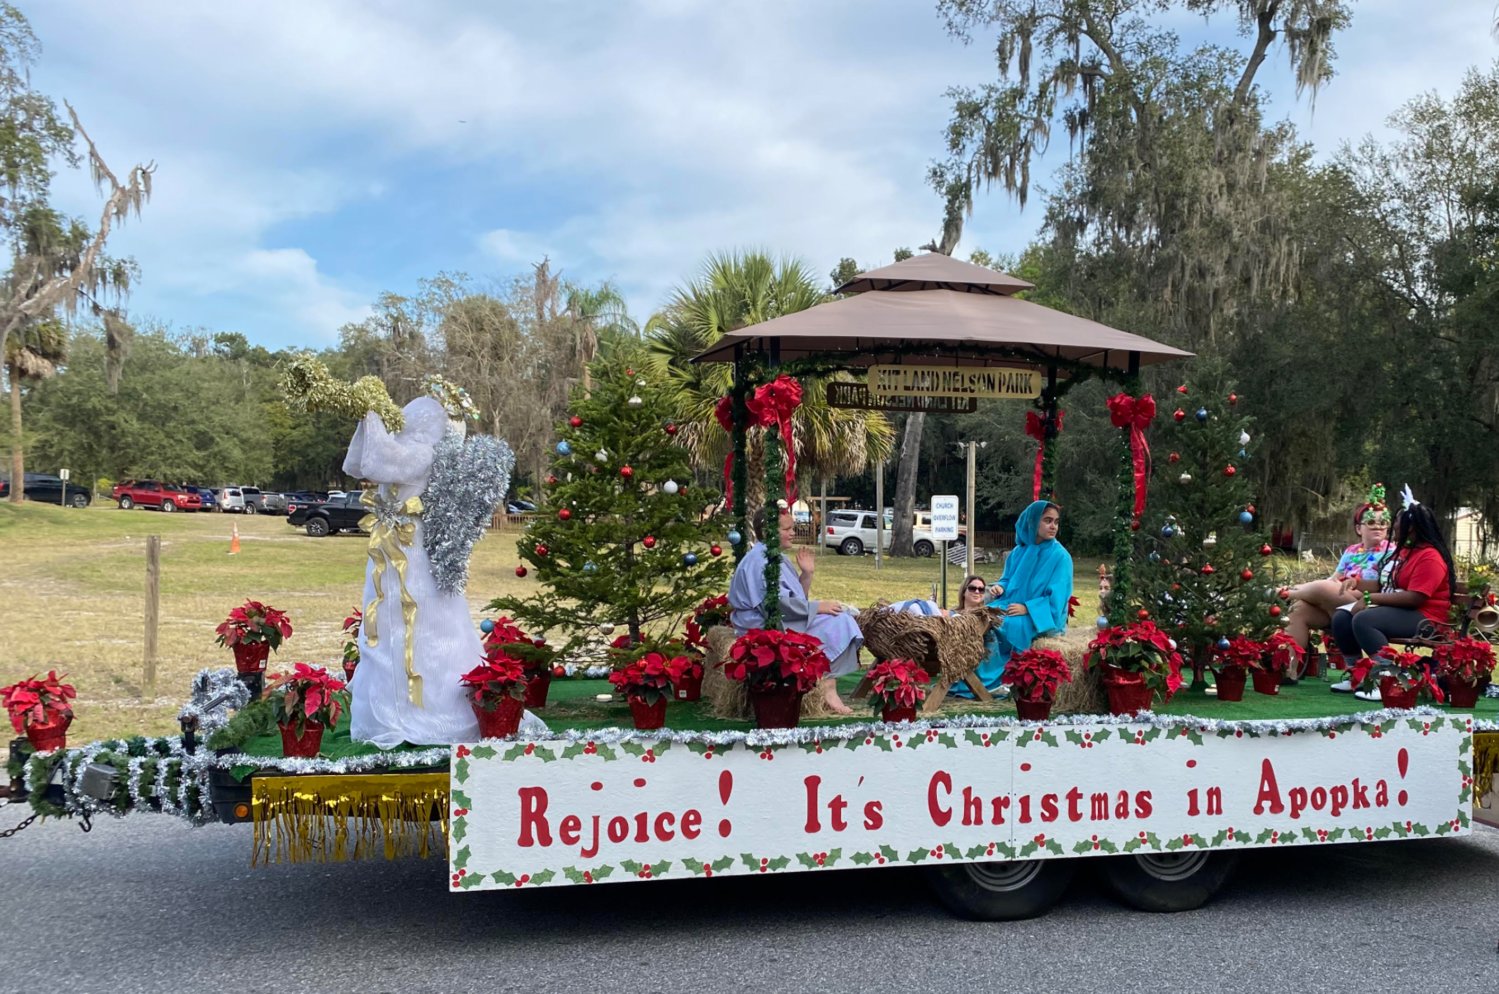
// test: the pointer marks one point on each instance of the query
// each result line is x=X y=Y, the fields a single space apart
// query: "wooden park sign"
x=856 y=395
x=999 y=383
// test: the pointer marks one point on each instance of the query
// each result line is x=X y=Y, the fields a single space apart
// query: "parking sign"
x=945 y=517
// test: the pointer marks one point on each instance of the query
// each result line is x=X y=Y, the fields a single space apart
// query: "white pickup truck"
x=852 y=532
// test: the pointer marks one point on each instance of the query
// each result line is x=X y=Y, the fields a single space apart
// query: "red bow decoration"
x=1135 y=413
x=724 y=412
x=1035 y=427
x=772 y=405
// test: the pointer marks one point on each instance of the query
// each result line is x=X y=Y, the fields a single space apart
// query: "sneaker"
x=1342 y=687
x=1368 y=695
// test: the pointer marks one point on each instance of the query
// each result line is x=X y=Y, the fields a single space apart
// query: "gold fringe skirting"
x=347 y=816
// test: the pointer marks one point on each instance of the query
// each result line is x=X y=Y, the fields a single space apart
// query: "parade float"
x=529 y=764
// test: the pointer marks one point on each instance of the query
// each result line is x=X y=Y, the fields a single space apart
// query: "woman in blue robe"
x=825 y=620
x=1032 y=594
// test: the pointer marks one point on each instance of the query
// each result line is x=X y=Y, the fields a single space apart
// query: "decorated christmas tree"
x=1206 y=573
x=619 y=536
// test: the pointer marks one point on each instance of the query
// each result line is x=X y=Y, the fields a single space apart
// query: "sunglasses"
x=980 y=589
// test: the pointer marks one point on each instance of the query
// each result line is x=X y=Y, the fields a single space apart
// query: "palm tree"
x=734 y=291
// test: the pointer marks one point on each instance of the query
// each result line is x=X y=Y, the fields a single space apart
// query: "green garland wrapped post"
x=773 y=483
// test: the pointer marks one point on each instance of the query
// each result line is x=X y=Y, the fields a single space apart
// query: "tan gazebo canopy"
x=932 y=309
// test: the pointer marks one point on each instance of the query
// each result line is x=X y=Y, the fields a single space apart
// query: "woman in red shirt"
x=1415 y=585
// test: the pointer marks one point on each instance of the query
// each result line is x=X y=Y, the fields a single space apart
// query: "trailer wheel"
x=1167 y=881
x=1001 y=890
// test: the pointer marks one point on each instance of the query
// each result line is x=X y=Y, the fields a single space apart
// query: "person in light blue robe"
x=1032 y=594
x=824 y=620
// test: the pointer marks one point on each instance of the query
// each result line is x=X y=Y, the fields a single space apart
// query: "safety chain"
x=12 y=831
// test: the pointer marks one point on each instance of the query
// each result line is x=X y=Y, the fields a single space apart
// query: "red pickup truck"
x=152 y=493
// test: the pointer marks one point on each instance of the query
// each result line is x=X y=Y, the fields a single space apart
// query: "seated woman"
x=1032 y=594
x=1416 y=582
x=975 y=593
x=825 y=620
x=1316 y=601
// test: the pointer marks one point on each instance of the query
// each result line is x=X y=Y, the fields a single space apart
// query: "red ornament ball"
x=1249 y=508
x=551 y=480
x=1265 y=550
x=558 y=672
x=1284 y=593
x=1247 y=574
x=1175 y=456
x=1182 y=388
x=717 y=550
x=1233 y=398
x=1275 y=610
x=1207 y=569
x=1179 y=414
x=575 y=421
x=671 y=429
x=629 y=371
x=1230 y=471
x=1142 y=614
x=564 y=514
x=541 y=550
x=1134 y=526
x=520 y=571
x=649 y=541
x=626 y=472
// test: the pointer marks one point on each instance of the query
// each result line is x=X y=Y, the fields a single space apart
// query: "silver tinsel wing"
x=469 y=478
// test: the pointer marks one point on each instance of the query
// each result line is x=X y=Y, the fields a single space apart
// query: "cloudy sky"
x=312 y=153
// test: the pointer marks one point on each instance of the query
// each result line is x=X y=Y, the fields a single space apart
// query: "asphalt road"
x=149 y=904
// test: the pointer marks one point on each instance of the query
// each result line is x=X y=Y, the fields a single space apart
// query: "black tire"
x=1001 y=890
x=923 y=548
x=168 y=505
x=1167 y=882
x=317 y=527
x=851 y=547
x=78 y=500
x=249 y=508
x=126 y=503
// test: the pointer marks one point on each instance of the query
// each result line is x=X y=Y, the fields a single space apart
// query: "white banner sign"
x=555 y=812
x=945 y=517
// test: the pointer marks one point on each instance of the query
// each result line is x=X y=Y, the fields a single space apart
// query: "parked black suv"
x=49 y=488
x=334 y=515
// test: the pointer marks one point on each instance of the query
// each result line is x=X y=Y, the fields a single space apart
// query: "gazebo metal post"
x=1124 y=526
x=740 y=474
x=1049 y=436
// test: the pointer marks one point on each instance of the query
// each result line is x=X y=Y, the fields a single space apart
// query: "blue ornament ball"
x=689 y=559
x=1245 y=518
x=1103 y=622
x=563 y=449
x=1155 y=557
x=1243 y=454
x=734 y=538
x=1202 y=414
x=1223 y=643
x=589 y=567
x=486 y=626
x=1167 y=531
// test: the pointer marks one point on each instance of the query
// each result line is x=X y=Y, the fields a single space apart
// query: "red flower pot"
x=1128 y=692
x=689 y=688
x=898 y=713
x=648 y=716
x=776 y=707
x=503 y=721
x=536 y=689
x=1266 y=683
x=1033 y=710
x=1462 y=695
x=250 y=657
x=1230 y=683
x=1392 y=695
x=1313 y=665
x=307 y=745
x=1335 y=658
x=50 y=736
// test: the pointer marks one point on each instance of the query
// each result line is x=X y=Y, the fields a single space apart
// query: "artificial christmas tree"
x=1204 y=572
x=618 y=536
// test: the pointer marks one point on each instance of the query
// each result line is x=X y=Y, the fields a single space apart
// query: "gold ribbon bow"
x=392 y=527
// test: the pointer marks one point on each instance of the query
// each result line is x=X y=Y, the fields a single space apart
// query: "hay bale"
x=727 y=697
x=1084 y=693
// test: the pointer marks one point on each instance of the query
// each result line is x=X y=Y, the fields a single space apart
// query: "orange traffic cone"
x=234 y=540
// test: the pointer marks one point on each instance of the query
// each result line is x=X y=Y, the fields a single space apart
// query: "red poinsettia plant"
x=897 y=683
x=38 y=701
x=1409 y=670
x=711 y=612
x=1466 y=660
x=533 y=653
x=1241 y=653
x=1280 y=653
x=351 y=637
x=500 y=676
x=1037 y=674
x=769 y=659
x=1139 y=648
x=649 y=678
x=252 y=624
x=308 y=694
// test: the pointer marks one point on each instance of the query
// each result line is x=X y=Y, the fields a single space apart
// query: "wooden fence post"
x=153 y=612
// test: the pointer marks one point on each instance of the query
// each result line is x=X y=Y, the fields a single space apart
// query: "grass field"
x=72 y=595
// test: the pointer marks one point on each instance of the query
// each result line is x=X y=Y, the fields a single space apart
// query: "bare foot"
x=835 y=703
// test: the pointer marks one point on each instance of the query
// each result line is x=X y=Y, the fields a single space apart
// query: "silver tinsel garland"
x=468 y=480
x=217 y=694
